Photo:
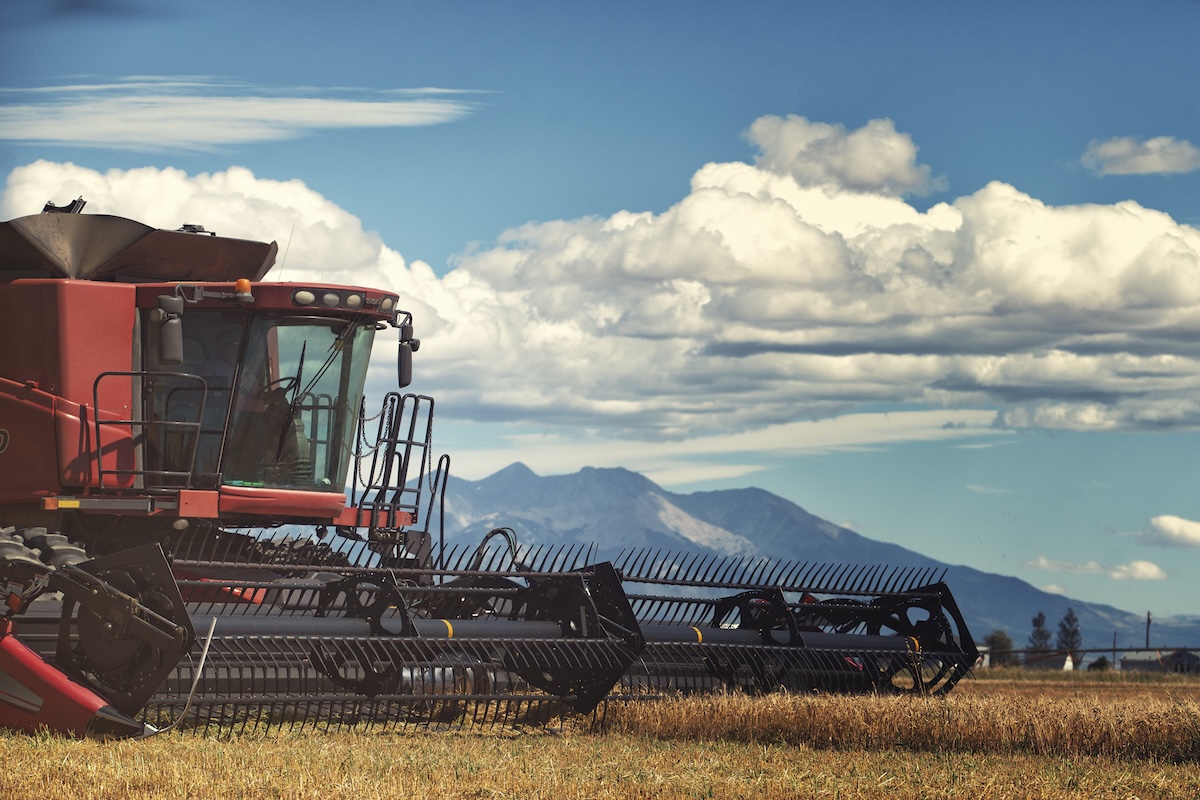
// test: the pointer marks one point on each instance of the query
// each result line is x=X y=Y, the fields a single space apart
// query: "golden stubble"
x=993 y=737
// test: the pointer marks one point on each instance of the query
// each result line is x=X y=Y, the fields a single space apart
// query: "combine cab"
x=199 y=522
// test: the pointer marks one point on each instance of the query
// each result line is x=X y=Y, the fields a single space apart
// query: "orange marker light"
x=241 y=290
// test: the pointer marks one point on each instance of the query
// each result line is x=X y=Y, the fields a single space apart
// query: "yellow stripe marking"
x=449 y=629
x=699 y=635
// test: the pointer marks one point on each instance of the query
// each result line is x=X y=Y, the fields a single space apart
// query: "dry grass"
x=364 y=765
x=993 y=737
x=1163 y=729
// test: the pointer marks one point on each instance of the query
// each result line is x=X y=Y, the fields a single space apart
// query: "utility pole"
x=1147 y=630
x=1114 y=661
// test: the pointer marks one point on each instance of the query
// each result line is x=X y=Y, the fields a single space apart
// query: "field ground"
x=1003 y=735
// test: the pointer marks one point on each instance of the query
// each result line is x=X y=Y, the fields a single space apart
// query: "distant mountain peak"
x=515 y=470
x=620 y=479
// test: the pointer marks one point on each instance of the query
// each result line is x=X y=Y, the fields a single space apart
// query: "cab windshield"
x=276 y=399
x=295 y=403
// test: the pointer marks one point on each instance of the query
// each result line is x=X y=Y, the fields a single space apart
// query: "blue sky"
x=930 y=270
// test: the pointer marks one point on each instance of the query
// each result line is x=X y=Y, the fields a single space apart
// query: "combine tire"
x=29 y=553
x=15 y=555
x=26 y=553
x=55 y=549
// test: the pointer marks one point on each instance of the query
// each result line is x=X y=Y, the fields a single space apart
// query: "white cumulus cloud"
x=1135 y=570
x=874 y=158
x=1138 y=571
x=1124 y=155
x=757 y=301
x=1171 y=531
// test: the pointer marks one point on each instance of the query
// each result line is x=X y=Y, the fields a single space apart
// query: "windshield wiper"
x=335 y=349
x=294 y=405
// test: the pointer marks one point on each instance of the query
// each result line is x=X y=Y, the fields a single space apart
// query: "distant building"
x=1174 y=661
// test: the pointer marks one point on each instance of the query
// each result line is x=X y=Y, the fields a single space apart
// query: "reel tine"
x=735 y=572
x=634 y=562
x=575 y=557
x=770 y=573
x=537 y=557
x=738 y=571
x=562 y=560
x=455 y=557
x=811 y=575
x=819 y=579
x=892 y=581
x=545 y=558
x=621 y=561
x=867 y=583
x=717 y=570
x=716 y=565
x=915 y=578
x=640 y=559
x=761 y=566
x=851 y=581
x=628 y=562
x=680 y=568
x=922 y=578
x=570 y=558
x=675 y=567
x=836 y=579
x=791 y=575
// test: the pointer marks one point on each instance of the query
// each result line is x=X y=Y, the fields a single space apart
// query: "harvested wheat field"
x=1004 y=735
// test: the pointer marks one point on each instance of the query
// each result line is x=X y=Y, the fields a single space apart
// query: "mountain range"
x=615 y=508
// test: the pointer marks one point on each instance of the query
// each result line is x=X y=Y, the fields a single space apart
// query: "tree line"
x=1067 y=639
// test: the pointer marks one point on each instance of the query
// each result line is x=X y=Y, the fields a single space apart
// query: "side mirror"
x=408 y=346
x=170 y=333
x=404 y=365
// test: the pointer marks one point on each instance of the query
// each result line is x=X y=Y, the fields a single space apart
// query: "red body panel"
x=47 y=384
x=69 y=332
x=48 y=444
x=35 y=696
x=280 y=503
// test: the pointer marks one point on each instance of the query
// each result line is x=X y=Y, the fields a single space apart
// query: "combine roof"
x=101 y=247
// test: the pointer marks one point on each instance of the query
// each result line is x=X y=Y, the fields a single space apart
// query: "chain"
x=429 y=457
x=366 y=449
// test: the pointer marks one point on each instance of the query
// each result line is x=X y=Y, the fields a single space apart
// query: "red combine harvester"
x=184 y=449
